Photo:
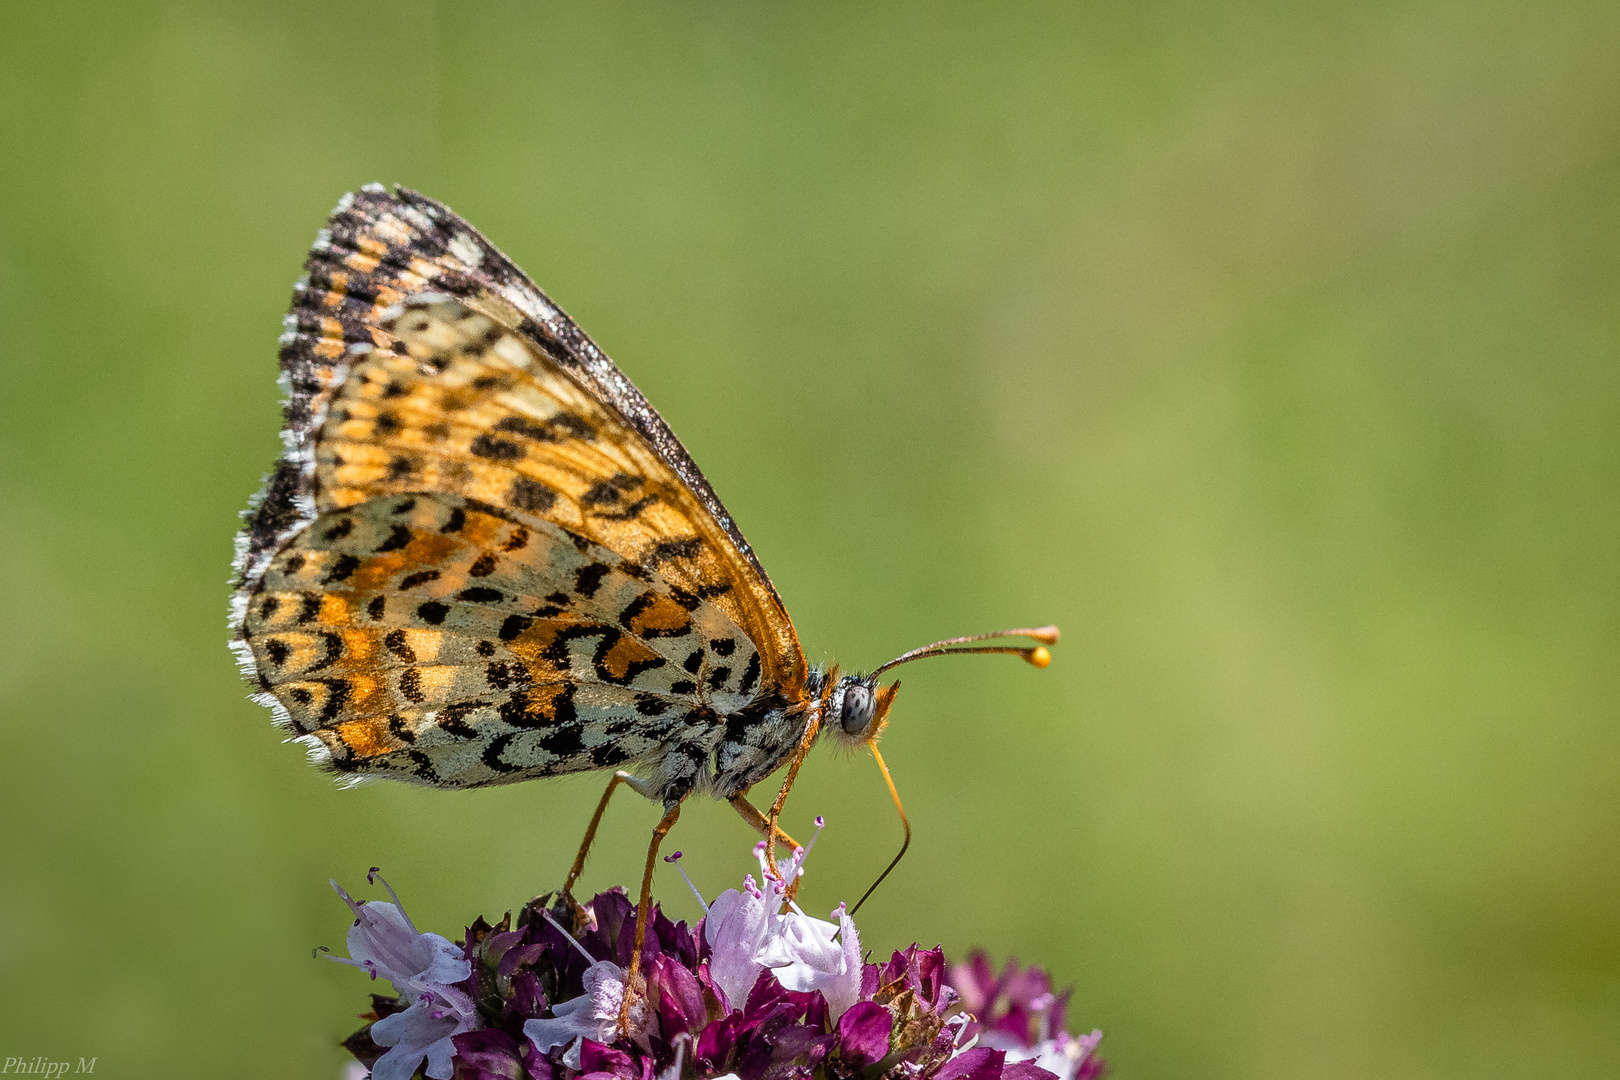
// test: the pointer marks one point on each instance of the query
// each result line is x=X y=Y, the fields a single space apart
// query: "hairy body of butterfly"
x=484 y=558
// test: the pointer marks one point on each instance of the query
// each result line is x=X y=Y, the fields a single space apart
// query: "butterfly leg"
x=633 y=987
x=771 y=830
x=757 y=820
x=620 y=777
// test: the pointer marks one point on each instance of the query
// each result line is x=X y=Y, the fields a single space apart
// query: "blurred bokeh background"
x=1268 y=348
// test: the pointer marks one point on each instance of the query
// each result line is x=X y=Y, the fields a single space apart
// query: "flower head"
x=757 y=990
x=423 y=969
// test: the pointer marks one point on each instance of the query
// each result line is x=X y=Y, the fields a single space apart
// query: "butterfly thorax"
x=763 y=736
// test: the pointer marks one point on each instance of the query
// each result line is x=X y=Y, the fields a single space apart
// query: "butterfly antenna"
x=1038 y=655
x=895 y=795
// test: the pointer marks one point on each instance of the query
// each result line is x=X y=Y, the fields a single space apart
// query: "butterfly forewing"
x=483 y=556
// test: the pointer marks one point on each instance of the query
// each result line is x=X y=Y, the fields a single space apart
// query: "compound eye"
x=858 y=708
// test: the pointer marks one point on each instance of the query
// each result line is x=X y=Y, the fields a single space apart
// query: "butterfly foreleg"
x=756 y=820
x=771 y=830
x=633 y=984
x=620 y=777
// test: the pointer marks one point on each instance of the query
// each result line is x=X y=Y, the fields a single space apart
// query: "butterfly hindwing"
x=440 y=639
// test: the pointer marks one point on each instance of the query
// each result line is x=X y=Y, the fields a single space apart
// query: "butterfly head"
x=858 y=708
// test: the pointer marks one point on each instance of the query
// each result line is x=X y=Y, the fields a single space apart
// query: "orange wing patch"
x=460 y=402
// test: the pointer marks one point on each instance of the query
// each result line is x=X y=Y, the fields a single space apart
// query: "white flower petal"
x=548 y=1034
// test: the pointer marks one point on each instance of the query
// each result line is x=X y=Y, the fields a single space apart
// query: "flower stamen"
x=676 y=860
x=546 y=915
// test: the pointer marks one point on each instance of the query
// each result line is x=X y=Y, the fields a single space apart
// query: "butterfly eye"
x=858 y=708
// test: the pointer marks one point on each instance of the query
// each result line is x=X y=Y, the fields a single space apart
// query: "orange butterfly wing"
x=420 y=360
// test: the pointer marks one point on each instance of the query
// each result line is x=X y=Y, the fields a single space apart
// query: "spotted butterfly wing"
x=483 y=556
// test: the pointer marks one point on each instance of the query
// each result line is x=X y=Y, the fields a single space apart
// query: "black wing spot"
x=404 y=506
x=486 y=648
x=386 y=424
x=483 y=566
x=337 y=696
x=395 y=389
x=293 y=565
x=401 y=729
x=497 y=746
x=455 y=522
x=611 y=638
x=402 y=466
x=517 y=541
x=341 y=568
x=495 y=449
x=573 y=424
x=432 y=612
x=333 y=643
x=499 y=674
x=694 y=662
x=422 y=766
x=301 y=695
x=309 y=606
x=277 y=650
x=588 y=579
x=683 y=688
x=565 y=742
x=630 y=512
x=522 y=425
x=377 y=606
x=514 y=625
x=410 y=685
x=398 y=537
x=647 y=705
x=665 y=550
x=723 y=646
x=452 y=718
x=609 y=491
x=530 y=495
x=480 y=594
x=337 y=532
x=396 y=643
x=718 y=677
x=421 y=577
x=268 y=608
x=750 y=674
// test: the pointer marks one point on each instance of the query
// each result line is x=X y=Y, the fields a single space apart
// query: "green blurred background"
x=1268 y=348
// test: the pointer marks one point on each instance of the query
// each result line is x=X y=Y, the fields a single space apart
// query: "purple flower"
x=383 y=941
x=757 y=990
x=1017 y=1013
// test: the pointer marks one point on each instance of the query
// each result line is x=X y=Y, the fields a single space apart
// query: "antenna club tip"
x=1046 y=635
x=1039 y=656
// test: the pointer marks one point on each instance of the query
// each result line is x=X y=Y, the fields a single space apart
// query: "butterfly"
x=483 y=557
